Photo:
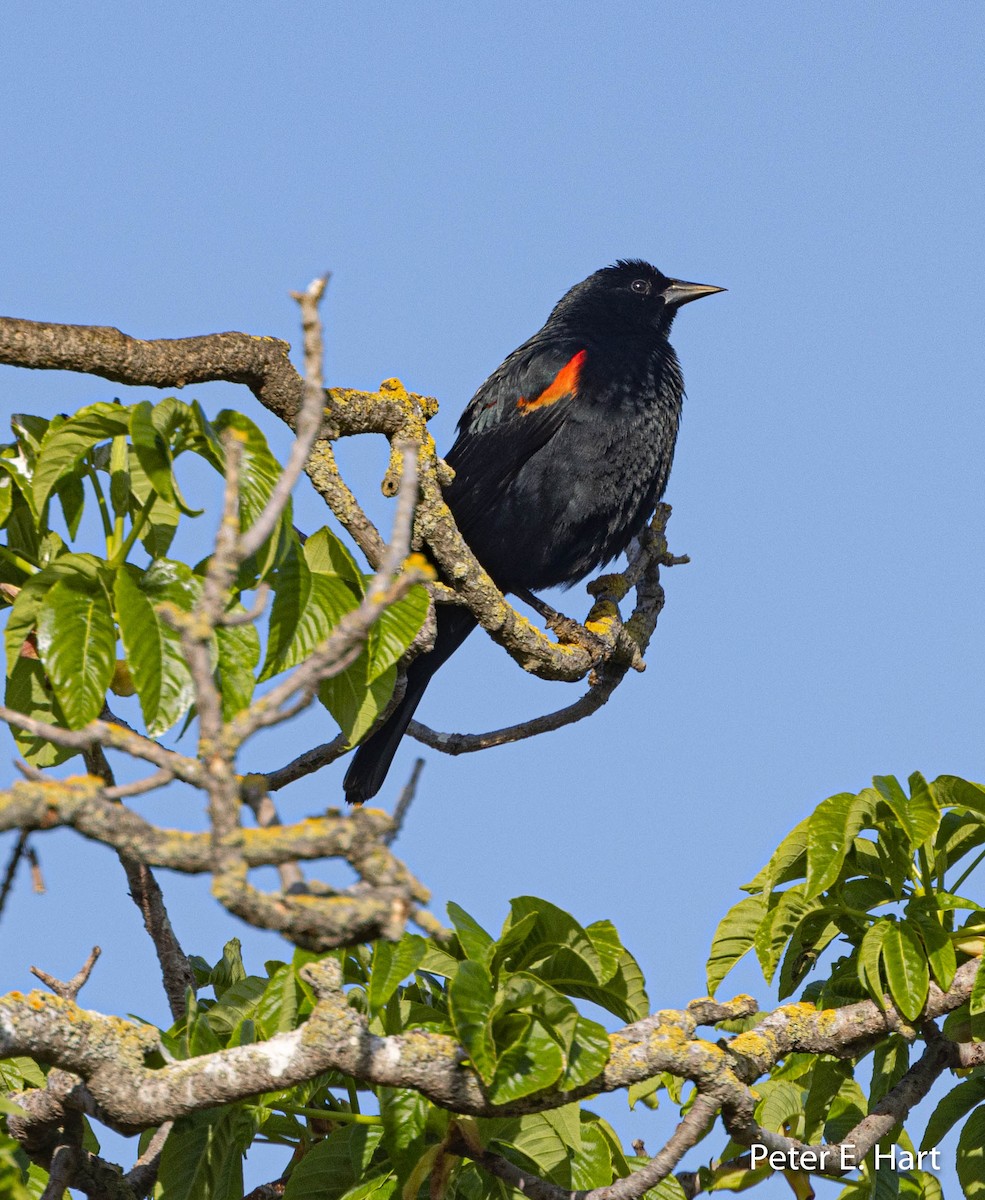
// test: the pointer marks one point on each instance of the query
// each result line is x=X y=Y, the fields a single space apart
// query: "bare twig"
x=404 y=802
x=20 y=847
x=307 y=424
x=266 y=815
x=388 y=585
x=143 y=1174
x=71 y=989
x=310 y=761
x=111 y=735
x=176 y=973
x=140 y=787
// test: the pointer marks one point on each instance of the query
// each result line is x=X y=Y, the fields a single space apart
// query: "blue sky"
x=179 y=169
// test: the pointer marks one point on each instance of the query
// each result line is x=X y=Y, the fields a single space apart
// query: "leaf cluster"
x=82 y=625
x=509 y=1000
x=880 y=875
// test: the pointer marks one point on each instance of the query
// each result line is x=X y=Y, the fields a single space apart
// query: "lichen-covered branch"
x=110 y=1054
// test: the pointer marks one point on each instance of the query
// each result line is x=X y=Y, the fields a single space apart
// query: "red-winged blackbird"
x=560 y=459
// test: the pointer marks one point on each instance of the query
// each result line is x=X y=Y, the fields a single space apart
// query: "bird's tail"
x=372 y=759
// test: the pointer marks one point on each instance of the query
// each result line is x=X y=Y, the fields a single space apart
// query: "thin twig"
x=71 y=989
x=265 y=811
x=143 y=1174
x=310 y=761
x=308 y=423
x=403 y=804
x=140 y=787
x=15 y=856
x=688 y=1133
x=176 y=973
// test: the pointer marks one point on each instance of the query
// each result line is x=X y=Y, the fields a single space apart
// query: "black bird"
x=560 y=459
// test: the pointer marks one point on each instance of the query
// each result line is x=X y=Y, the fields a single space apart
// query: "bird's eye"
x=640 y=286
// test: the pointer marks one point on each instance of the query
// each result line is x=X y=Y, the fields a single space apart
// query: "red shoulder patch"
x=564 y=383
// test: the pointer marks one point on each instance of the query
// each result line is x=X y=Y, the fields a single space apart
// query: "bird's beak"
x=677 y=292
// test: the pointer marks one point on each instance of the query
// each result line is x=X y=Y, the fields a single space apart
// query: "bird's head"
x=631 y=296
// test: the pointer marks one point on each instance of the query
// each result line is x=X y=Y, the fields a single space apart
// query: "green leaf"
x=889 y=1064
x=557 y=949
x=29 y=692
x=333 y=1166
x=624 y=994
x=734 y=936
x=608 y=946
x=77 y=644
x=393 y=962
x=307 y=606
x=950 y=1109
x=238 y=649
x=22 y=619
x=239 y=1004
x=66 y=443
x=939 y=948
x=203 y=1155
x=826 y=1079
x=588 y=1053
x=869 y=955
x=471 y=1000
x=476 y=943
x=959 y=793
x=259 y=473
x=976 y=1003
x=971 y=1156
x=591 y=1165
x=918 y=815
x=153 y=649
x=354 y=700
x=161 y=522
x=277 y=1010
x=395 y=629
x=539 y=1140
x=787 y=862
x=326 y=553
x=229 y=969
x=830 y=834
x=906 y=969
x=790 y=909
x=405 y=1115
x=71 y=495
x=119 y=477
x=152 y=450
x=781 y=1102
x=533 y=1061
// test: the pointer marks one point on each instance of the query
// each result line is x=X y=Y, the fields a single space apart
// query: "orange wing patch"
x=564 y=383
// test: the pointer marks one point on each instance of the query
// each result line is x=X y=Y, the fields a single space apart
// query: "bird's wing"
x=513 y=415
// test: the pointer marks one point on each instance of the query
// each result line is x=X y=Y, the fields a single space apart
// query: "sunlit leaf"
x=238 y=648
x=830 y=834
x=971 y=1156
x=307 y=606
x=734 y=936
x=393 y=962
x=906 y=969
x=471 y=999
x=476 y=943
x=153 y=649
x=327 y=553
x=28 y=691
x=396 y=628
x=64 y=444
x=77 y=644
